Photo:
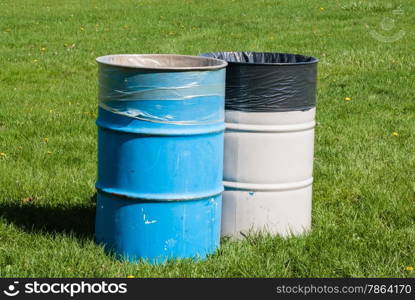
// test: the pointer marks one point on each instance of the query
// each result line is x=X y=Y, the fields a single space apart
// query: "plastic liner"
x=148 y=87
x=269 y=82
x=162 y=62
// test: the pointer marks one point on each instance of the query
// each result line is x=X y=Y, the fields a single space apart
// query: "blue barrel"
x=160 y=156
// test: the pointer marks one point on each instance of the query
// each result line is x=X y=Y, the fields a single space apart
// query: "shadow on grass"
x=78 y=220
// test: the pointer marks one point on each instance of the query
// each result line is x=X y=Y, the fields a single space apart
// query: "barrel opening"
x=162 y=61
x=262 y=58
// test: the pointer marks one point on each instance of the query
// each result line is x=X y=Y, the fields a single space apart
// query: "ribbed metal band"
x=266 y=187
x=270 y=128
x=157 y=197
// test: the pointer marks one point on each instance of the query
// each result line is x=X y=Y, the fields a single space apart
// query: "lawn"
x=364 y=189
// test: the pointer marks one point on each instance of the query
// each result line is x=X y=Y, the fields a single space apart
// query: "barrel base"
x=157 y=231
x=284 y=213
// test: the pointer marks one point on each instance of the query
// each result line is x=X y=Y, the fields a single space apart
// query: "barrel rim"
x=219 y=63
x=313 y=60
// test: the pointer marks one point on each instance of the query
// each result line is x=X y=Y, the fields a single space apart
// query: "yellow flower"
x=82 y=29
x=42 y=49
x=46 y=140
x=321 y=8
x=395 y=133
x=347 y=99
x=130 y=276
x=409 y=268
x=27 y=199
x=2 y=154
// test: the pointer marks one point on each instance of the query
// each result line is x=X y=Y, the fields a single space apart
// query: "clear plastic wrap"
x=163 y=88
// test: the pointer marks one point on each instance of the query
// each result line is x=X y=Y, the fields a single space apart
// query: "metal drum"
x=269 y=143
x=160 y=156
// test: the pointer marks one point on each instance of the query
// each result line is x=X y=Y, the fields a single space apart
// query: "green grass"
x=364 y=190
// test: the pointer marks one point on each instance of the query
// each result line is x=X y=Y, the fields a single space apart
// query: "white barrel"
x=269 y=143
x=268 y=169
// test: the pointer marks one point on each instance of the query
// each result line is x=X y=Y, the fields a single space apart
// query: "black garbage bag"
x=269 y=82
